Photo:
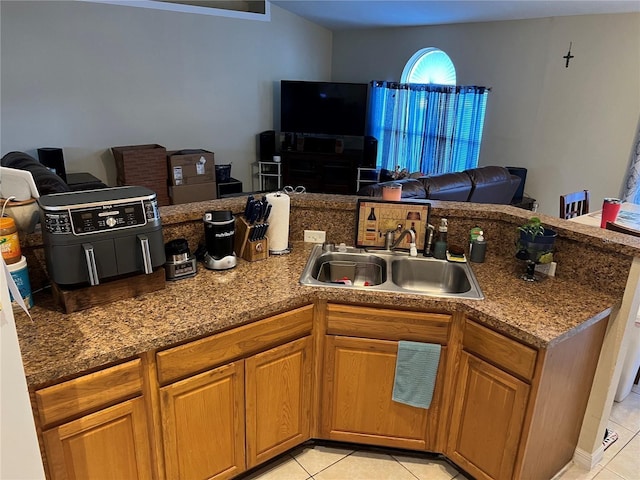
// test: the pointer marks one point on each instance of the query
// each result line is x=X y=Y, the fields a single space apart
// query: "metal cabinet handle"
x=146 y=254
x=90 y=257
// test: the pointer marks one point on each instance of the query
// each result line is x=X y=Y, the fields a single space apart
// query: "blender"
x=219 y=232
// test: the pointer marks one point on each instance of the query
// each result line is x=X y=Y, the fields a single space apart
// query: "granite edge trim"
x=604 y=239
x=62 y=372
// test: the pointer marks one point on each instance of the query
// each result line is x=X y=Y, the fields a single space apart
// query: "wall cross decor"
x=568 y=56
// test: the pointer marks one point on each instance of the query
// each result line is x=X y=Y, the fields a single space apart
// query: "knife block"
x=251 y=251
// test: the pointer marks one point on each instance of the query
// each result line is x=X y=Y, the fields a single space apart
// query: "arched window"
x=427 y=123
x=429 y=65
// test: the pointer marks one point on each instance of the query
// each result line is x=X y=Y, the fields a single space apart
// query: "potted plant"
x=534 y=245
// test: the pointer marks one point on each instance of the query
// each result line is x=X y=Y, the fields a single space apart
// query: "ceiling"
x=350 y=14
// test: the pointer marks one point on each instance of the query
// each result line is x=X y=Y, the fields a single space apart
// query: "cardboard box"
x=143 y=165
x=191 y=167
x=192 y=193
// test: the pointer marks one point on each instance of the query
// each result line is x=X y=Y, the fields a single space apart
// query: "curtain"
x=427 y=128
x=631 y=188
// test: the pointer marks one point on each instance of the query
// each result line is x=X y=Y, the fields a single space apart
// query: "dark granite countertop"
x=57 y=345
x=594 y=262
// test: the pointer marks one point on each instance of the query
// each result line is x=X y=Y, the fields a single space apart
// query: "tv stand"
x=319 y=144
x=322 y=172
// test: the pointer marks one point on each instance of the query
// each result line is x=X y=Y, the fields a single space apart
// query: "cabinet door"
x=487 y=419
x=111 y=443
x=278 y=400
x=203 y=424
x=357 y=404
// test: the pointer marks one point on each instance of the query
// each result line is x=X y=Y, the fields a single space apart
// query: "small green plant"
x=528 y=248
x=532 y=228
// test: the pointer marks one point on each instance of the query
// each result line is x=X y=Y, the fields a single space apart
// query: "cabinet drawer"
x=200 y=355
x=387 y=324
x=88 y=393
x=503 y=352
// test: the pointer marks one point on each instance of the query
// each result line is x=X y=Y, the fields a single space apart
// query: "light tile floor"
x=319 y=462
x=622 y=459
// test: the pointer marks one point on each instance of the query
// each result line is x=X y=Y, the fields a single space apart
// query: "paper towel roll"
x=279 y=222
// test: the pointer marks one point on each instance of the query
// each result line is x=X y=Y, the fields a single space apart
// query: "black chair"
x=574 y=204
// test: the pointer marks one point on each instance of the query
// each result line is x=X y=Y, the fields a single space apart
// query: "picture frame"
x=375 y=217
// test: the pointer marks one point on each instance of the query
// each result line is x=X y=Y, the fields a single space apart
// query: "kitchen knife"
x=267 y=212
x=254 y=213
x=247 y=208
x=259 y=210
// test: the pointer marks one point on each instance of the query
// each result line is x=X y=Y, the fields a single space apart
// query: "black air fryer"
x=219 y=232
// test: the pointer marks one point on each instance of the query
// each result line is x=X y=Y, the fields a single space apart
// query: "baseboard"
x=586 y=459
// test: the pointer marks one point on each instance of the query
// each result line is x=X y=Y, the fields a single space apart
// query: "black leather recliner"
x=46 y=181
x=490 y=184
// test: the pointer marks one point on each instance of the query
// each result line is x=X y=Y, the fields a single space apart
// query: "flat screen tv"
x=327 y=108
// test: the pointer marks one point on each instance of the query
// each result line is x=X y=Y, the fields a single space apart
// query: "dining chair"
x=614 y=227
x=574 y=204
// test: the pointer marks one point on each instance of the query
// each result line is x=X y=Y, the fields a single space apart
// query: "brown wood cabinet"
x=111 y=443
x=218 y=423
x=359 y=376
x=95 y=426
x=487 y=422
x=203 y=424
x=490 y=402
x=517 y=411
x=358 y=388
x=203 y=417
x=216 y=406
x=278 y=400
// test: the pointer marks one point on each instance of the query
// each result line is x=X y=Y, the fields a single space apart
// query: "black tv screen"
x=327 y=108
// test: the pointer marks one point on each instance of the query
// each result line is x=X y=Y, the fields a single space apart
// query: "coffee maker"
x=219 y=232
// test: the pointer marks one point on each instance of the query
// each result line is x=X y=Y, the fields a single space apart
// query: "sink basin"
x=359 y=269
x=386 y=271
x=430 y=276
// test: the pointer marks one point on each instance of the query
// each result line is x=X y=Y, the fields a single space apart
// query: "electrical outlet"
x=548 y=269
x=315 y=236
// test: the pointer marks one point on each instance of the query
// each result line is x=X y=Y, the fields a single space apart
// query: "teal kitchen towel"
x=416 y=369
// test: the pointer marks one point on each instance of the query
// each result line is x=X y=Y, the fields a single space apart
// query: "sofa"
x=490 y=184
x=45 y=180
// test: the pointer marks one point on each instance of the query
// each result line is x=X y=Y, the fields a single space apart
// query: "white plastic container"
x=20 y=275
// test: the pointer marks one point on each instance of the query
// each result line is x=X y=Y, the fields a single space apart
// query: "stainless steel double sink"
x=389 y=271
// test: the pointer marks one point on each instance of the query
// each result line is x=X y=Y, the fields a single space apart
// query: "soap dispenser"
x=440 y=248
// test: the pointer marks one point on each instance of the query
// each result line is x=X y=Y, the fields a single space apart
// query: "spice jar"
x=9 y=241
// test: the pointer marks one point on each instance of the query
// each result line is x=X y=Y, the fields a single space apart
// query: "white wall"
x=572 y=128
x=19 y=452
x=86 y=77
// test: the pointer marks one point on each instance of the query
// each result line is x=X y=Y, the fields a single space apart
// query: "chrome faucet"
x=391 y=243
x=431 y=231
x=390 y=236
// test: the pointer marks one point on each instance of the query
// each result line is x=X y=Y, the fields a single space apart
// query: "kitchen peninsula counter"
x=57 y=345
x=548 y=345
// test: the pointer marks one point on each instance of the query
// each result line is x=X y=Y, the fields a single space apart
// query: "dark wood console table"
x=322 y=172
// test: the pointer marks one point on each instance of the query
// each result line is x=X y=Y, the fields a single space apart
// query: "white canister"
x=20 y=275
